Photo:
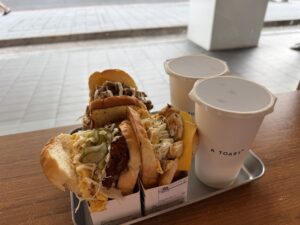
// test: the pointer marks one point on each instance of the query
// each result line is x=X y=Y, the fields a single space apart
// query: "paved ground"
x=100 y=19
x=46 y=86
x=17 y=5
x=91 y=19
x=283 y=11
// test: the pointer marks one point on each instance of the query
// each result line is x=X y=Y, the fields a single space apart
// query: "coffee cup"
x=185 y=71
x=228 y=112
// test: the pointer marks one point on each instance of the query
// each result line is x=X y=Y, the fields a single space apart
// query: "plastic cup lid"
x=196 y=66
x=233 y=95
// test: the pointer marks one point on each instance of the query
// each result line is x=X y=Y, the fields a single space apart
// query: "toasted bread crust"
x=111 y=110
x=57 y=175
x=116 y=114
x=100 y=117
x=113 y=101
x=114 y=75
x=148 y=172
x=57 y=165
x=168 y=175
x=152 y=173
x=128 y=178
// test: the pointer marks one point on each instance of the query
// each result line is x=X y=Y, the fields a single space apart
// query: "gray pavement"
x=20 y=5
x=283 y=11
x=82 y=20
x=97 y=22
x=46 y=86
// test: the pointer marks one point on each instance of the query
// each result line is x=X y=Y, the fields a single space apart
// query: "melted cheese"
x=190 y=128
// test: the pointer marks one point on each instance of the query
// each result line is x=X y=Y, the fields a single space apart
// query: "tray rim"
x=72 y=209
x=217 y=192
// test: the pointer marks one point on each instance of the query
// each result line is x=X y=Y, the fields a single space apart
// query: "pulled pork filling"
x=118 y=161
x=109 y=89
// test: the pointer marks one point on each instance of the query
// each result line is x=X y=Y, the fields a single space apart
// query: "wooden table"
x=26 y=197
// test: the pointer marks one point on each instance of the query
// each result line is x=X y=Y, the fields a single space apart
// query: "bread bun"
x=128 y=178
x=114 y=75
x=109 y=109
x=61 y=161
x=168 y=175
x=148 y=172
x=160 y=140
x=112 y=109
x=56 y=163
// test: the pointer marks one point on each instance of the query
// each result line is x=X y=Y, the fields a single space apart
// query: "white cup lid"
x=233 y=95
x=196 y=66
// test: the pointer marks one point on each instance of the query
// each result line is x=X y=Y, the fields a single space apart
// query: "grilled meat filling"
x=119 y=157
x=109 y=89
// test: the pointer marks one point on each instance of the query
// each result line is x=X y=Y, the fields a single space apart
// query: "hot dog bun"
x=148 y=172
x=114 y=75
x=111 y=91
x=56 y=162
x=127 y=179
x=161 y=144
x=70 y=166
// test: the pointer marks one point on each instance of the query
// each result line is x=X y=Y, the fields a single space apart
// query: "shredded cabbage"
x=90 y=155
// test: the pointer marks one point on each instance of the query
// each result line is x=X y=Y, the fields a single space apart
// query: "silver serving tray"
x=252 y=169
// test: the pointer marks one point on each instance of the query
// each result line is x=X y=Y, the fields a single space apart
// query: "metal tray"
x=252 y=169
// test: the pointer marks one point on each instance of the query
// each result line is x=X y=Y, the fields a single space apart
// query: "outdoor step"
x=93 y=36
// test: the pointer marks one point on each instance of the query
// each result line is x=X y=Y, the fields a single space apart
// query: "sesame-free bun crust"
x=113 y=101
x=56 y=163
x=128 y=178
x=114 y=75
x=112 y=109
x=151 y=167
x=148 y=172
x=168 y=175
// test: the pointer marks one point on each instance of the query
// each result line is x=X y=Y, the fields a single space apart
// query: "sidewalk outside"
x=46 y=86
x=81 y=20
x=79 y=23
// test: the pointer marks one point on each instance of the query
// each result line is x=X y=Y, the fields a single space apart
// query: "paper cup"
x=228 y=112
x=184 y=71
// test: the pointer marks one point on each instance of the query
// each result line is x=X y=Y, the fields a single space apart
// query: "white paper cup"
x=185 y=71
x=228 y=112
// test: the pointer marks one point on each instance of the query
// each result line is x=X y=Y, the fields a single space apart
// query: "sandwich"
x=97 y=164
x=160 y=138
x=110 y=92
x=120 y=141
